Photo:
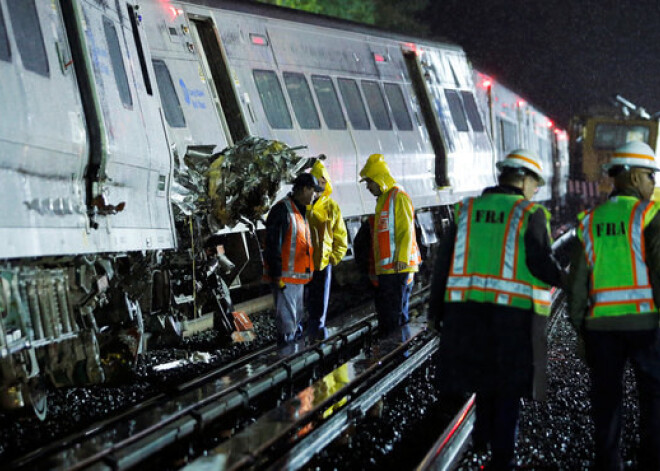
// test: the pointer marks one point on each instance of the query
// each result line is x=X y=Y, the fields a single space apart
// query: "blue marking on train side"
x=192 y=96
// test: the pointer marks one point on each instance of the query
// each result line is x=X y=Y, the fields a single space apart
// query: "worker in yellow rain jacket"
x=613 y=298
x=394 y=244
x=329 y=240
x=490 y=290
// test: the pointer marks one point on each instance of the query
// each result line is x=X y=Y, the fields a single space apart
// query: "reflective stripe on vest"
x=385 y=235
x=640 y=292
x=505 y=286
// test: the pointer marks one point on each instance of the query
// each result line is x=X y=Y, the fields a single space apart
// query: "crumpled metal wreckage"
x=237 y=184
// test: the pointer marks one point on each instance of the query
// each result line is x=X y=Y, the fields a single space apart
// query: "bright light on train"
x=258 y=39
x=171 y=10
x=549 y=123
x=521 y=103
x=487 y=83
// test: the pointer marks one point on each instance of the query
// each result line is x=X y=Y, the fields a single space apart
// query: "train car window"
x=5 y=52
x=509 y=139
x=472 y=111
x=456 y=110
x=302 y=101
x=29 y=38
x=610 y=136
x=376 y=103
x=357 y=114
x=171 y=104
x=398 y=106
x=272 y=99
x=132 y=14
x=329 y=102
x=117 y=61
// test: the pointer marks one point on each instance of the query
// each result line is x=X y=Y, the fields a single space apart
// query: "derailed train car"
x=513 y=122
x=102 y=101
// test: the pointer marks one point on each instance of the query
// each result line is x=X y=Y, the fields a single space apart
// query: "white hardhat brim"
x=631 y=162
x=513 y=164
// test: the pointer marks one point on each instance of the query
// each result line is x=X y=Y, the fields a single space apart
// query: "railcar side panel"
x=43 y=139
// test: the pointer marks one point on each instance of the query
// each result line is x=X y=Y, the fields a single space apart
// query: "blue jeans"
x=392 y=297
x=607 y=353
x=289 y=311
x=317 y=295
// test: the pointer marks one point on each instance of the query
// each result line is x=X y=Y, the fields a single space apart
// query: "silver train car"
x=100 y=102
x=513 y=122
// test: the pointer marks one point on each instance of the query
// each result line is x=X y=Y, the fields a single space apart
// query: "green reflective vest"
x=489 y=260
x=613 y=239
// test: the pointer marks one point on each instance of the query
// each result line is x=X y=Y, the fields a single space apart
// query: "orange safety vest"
x=385 y=235
x=297 y=261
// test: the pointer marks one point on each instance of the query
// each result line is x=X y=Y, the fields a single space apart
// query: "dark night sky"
x=563 y=56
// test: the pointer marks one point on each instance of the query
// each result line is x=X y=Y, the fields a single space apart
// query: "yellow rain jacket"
x=402 y=235
x=329 y=237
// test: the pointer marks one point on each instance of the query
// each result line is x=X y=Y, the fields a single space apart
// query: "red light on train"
x=521 y=103
x=379 y=58
x=258 y=39
x=412 y=47
x=549 y=123
x=174 y=12
x=487 y=83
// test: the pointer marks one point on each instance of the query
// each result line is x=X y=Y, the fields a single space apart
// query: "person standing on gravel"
x=288 y=256
x=613 y=298
x=490 y=298
x=394 y=244
x=330 y=242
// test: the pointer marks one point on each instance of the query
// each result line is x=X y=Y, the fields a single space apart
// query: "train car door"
x=213 y=59
x=43 y=138
x=129 y=162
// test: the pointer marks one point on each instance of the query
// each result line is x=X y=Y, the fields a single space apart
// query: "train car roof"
x=290 y=14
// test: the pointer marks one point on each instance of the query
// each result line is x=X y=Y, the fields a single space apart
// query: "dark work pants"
x=496 y=424
x=317 y=294
x=392 y=297
x=607 y=353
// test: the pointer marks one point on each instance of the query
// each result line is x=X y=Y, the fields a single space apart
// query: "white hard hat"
x=633 y=154
x=523 y=158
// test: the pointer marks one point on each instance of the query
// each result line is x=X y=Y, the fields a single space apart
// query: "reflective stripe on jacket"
x=613 y=240
x=389 y=245
x=297 y=252
x=489 y=259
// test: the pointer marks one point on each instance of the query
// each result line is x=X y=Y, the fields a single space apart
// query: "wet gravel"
x=553 y=435
x=558 y=434
x=72 y=409
x=398 y=428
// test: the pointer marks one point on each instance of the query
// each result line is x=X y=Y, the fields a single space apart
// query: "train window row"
x=463 y=108
x=301 y=99
x=171 y=105
x=300 y=95
x=509 y=135
x=28 y=35
x=117 y=62
x=328 y=102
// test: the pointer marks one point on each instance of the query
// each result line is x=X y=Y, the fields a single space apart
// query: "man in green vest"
x=613 y=295
x=490 y=291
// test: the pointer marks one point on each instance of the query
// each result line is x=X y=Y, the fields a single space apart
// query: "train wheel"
x=38 y=398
